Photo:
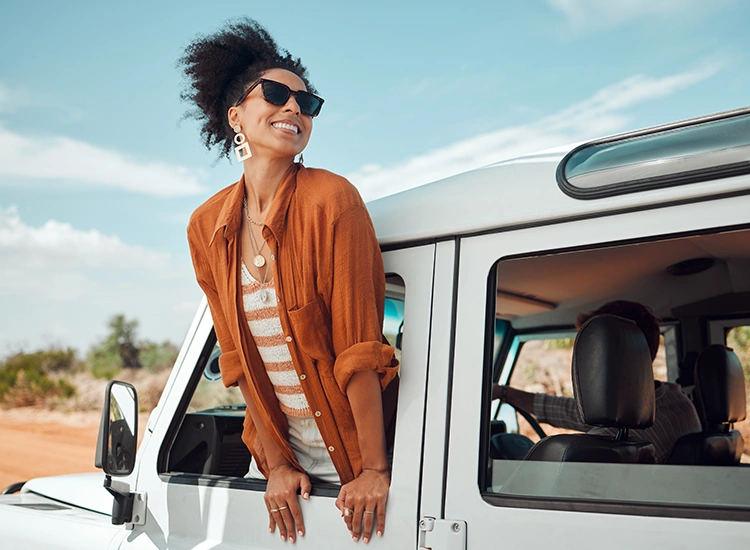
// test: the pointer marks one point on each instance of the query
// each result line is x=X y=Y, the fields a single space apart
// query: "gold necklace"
x=258 y=259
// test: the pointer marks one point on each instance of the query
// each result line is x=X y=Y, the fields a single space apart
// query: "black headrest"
x=613 y=380
x=720 y=384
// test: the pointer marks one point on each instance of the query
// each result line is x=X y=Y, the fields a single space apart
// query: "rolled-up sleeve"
x=357 y=300
x=229 y=361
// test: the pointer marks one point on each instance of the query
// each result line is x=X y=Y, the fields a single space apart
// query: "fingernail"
x=283 y=537
x=306 y=496
x=365 y=540
x=355 y=538
x=301 y=533
x=380 y=533
x=270 y=530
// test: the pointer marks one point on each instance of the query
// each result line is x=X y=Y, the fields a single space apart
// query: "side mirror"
x=118 y=430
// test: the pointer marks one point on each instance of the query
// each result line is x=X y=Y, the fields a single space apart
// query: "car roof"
x=519 y=192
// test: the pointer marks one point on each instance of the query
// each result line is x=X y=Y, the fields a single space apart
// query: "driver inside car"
x=675 y=414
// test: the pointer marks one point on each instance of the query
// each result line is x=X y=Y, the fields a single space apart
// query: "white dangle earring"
x=301 y=159
x=243 y=148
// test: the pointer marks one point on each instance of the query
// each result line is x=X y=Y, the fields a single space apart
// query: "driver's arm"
x=561 y=412
x=518 y=398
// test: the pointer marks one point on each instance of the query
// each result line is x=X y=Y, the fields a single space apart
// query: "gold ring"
x=369 y=511
x=280 y=508
x=274 y=510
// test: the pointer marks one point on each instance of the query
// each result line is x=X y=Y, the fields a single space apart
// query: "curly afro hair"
x=220 y=66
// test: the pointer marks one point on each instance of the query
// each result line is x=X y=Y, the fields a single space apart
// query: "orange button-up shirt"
x=330 y=286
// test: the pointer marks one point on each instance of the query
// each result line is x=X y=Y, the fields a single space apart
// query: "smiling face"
x=273 y=131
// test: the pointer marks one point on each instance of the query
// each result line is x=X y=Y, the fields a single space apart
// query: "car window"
x=543 y=365
x=549 y=290
x=209 y=441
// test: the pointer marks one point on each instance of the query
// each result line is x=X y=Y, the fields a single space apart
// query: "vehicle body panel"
x=32 y=522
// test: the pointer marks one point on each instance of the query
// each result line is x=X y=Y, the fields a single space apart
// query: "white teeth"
x=286 y=126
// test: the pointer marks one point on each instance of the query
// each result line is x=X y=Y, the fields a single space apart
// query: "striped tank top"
x=259 y=303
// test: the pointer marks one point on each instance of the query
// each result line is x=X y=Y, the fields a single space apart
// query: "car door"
x=561 y=505
x=196 y=510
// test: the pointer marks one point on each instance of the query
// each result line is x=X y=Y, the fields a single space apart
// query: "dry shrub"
x=34 y=391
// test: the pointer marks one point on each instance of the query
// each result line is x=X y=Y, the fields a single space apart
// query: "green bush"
x=115 y=352
x=559 y=343
x=104 y=362
x=157 y=357
x=25 y=377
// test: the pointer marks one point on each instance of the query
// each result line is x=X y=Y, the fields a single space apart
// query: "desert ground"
x=36 y=442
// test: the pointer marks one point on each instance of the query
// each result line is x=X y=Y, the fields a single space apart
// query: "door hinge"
x=442 y=534
x=127 y=508
x=140 y=510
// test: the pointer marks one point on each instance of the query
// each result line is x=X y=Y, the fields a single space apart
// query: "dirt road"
x=40 y=443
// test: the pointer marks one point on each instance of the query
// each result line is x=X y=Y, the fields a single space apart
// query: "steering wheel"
x=531 y=419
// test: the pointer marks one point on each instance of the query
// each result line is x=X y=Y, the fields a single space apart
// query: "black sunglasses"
x=278 y=94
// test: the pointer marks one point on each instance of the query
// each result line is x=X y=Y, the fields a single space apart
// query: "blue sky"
x=99 y=173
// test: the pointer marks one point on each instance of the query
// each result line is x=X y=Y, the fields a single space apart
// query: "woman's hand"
x=281 y=501
x=362 y=503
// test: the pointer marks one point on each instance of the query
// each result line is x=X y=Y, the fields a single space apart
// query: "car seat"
x=613 y=385
x=720 y=401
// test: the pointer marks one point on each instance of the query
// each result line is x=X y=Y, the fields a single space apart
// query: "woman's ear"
x=233 y=116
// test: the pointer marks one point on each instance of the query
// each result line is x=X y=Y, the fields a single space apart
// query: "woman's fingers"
x=282 y=502
x=279 y=521
x=356 y=525
x=271 y=518
x=288 y=521
x=362 y=518
x=368 y=520
x=362 y=504
x=341 y=499
x=305 y=487
x=348 y=513
x=380 y=527
x=288 y=518
x=296 y=513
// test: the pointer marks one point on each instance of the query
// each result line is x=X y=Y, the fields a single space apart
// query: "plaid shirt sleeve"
x=675 y=417
x=561 y=412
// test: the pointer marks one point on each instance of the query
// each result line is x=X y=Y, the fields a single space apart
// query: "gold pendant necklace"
x=258 y=259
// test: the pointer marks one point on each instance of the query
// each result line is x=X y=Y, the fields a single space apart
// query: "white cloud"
x=603 y=14
x=57 y=157
x=62 y=284
x=58 y=245
x=9 y=99
x=598 y=115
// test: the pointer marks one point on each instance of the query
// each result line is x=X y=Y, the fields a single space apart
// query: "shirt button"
x=288 y=338
x=318 y=413
x=302 y=376
x=273 y=256
x=278 y=299
x=331 y=449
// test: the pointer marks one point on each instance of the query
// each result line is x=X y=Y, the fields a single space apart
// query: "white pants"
x=310 y=450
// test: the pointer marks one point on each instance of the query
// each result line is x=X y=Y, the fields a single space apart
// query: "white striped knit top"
x=259 y=303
